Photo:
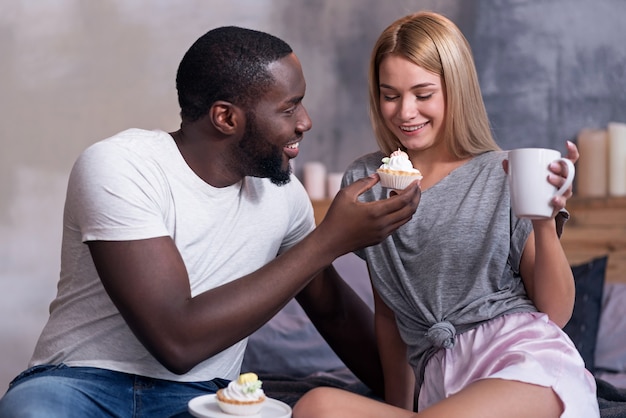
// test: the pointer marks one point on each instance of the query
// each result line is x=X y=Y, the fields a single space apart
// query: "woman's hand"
x=558 y=176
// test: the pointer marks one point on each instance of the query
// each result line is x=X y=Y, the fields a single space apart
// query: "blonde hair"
x=436 y=44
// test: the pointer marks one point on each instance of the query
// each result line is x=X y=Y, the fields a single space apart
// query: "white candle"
x=314 y=176
x=617 y=159
x=333 y=184
x=592 y=166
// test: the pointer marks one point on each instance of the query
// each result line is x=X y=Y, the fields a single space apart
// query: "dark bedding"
x=290 y=389
x=612 y=400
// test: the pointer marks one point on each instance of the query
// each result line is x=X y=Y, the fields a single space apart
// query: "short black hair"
x=227 y=63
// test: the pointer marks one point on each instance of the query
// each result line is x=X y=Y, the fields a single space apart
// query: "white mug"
x=531 y=192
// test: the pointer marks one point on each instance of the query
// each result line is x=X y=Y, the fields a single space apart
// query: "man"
x=176 y=247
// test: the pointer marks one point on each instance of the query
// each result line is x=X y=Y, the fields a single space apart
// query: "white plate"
x=206 y=406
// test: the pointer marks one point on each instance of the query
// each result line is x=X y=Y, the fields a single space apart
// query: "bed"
x=291 y=357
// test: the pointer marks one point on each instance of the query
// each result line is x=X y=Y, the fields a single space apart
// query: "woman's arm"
x=398 y=375
x=547 y=274
x=544 y=267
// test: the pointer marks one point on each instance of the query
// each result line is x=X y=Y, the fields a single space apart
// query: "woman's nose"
x=408 y=109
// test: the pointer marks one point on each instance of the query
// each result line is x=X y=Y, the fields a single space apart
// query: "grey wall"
x=550 y=68
x=73 y=72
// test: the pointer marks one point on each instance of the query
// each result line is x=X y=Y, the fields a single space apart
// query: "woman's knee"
x=318 y=402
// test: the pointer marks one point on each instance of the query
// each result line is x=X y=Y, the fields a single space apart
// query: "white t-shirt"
x=136 y=185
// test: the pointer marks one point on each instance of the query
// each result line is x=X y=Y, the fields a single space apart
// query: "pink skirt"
x=525 y=347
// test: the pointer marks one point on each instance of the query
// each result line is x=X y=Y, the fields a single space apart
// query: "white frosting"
x=250 y=391
x=399 y=161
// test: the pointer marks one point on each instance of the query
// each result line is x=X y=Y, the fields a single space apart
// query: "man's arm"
x=148 y=282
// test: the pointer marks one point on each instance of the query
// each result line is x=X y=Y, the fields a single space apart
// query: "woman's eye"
x=389 y=98
x=424 y=96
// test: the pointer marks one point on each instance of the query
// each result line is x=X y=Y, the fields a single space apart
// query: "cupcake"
x=243 y=396
x=397 y=171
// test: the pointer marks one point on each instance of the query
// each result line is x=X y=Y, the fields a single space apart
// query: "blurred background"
x=73 y=72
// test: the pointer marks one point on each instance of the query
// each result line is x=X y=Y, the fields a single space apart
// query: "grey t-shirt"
x=455 y=264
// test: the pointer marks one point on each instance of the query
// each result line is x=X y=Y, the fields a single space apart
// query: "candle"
x=334 y=184
x=592 y=167
x=314 y=176
x=617 y=159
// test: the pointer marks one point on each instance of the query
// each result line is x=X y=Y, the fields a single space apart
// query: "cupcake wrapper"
x=398 y=182
x=236 y=407
x=240 y=409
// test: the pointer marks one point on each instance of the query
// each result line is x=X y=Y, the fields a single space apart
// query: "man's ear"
x=226 y=117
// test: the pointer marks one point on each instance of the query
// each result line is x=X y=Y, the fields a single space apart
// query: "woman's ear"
x=226 y=117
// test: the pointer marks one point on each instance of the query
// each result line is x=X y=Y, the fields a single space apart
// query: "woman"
x=473 y=297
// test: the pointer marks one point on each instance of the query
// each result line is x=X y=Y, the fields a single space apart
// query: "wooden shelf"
x=319 y=209
x=597 y=227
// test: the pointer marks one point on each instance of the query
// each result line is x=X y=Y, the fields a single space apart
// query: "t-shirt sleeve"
x=520 y=230
x=302 y=219
x=115 y=195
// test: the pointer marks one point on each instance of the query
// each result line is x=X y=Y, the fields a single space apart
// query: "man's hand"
x=350 y=224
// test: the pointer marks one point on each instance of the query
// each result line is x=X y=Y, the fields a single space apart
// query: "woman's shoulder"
x=490 y=157
x=362 y=167
x=488 y=160
x=370 y=161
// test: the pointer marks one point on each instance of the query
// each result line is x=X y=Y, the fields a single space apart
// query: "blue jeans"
x=61 y=391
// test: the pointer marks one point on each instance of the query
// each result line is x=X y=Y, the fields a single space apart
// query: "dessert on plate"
x=243 y=396
x=397 y=171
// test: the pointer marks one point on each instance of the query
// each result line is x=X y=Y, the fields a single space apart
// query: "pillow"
x=583 y=326
x=610 y=352
x=289 y=344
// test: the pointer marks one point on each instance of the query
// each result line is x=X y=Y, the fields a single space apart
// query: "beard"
x=260 y=157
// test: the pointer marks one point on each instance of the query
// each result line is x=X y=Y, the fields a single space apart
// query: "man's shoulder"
x=128 y=155
x=132 y=145
x=130 y=139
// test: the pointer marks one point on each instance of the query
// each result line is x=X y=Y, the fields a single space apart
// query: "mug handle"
x=570 y=176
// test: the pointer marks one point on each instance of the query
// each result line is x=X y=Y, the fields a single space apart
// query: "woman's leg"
x=330 y=403
x=496 y=398
x=488 y=398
